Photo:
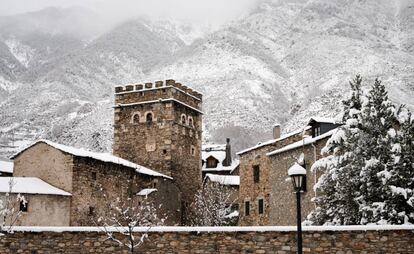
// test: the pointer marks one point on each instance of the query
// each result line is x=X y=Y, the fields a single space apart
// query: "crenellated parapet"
x=169 y=83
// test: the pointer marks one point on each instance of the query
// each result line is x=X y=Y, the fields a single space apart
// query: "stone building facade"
x=265 y=197
x=160 y=126
x=92 y=179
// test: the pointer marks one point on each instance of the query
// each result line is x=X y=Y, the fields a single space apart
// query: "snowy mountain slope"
x=284 y=62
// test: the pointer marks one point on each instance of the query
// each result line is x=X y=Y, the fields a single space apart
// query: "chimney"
x=227 y=160
x=276 y=131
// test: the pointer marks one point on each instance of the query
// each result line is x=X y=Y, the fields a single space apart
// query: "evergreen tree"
x=368 y=175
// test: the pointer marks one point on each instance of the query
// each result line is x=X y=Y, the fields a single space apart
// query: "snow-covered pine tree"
x=337 y=188
x=378 y=120
x=368 y=175
x=399 y=180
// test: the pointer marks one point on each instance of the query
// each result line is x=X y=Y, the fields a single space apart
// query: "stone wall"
x=96 y=182
x=47 y=163
x=240 y=240
x=251 y=191
x=282 y=198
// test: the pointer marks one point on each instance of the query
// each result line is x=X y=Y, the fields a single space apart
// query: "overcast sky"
x=216 y=11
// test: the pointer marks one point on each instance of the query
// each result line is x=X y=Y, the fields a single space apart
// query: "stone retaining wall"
x=184 y=240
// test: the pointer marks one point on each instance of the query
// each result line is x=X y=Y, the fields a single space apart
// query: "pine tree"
x=337 y=187
x=368 y=175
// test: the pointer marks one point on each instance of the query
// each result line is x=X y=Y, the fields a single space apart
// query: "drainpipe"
x=315 y=175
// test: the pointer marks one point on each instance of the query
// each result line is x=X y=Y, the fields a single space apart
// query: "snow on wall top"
x=146 y=192
x=272 y=141
x=6 y=166
x=216 y=229
x=224 y=179
x=105 y=157
x=29 y=185
x=303 y=142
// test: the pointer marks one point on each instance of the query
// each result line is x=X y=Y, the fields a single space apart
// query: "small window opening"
x=183 y=120
x=192 y=151
x=91 y=210
x=164 y=151
x=190 y=121
x=247 y=208
x=24 y=206
x=149 y=118
x=94 y=176
x=261 y=206
x=256 y=173
x=135 y=118
x=154 y=185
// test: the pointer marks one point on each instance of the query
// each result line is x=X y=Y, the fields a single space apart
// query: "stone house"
x=6 y=168
x=230 y=183
x=216 y=159
x=84 y=182
x=265 y=196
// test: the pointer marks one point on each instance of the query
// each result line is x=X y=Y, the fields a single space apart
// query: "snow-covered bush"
x=368 y=173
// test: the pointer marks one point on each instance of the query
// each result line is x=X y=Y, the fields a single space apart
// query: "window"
x=24 y=206
x=135 y=118
x=247 y=208
x=154 y=185
x=183 y=120
x=148 y=118
x=190 y=121
x=261 y=206
x=316 y=131
x=91 y=210
x=192 y=150
x=94 y=176
x=256 y=173
x=164 y=151
x=211 y=162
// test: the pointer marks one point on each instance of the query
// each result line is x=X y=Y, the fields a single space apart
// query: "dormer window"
x=316 y=131
x=211 y=162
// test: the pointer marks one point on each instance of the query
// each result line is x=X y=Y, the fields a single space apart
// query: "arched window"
x=183 y=119
x=190 y=121
x=135 y=118
x=148 y=118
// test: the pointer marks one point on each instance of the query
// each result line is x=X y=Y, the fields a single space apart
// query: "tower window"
x=24 y=206
x=149 y=118
x=94 y=176
x=247 y=208
x=256 y=173
x=261 y=206
x=192 y=150
x=135 y=118
x=91 y=210
x=190 y=121
x=183 y=119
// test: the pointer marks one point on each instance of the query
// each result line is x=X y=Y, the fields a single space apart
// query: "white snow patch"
x=29 y=185
x=6 y=166
x=224 y=179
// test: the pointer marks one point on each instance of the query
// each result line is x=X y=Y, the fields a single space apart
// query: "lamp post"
x=297 y=174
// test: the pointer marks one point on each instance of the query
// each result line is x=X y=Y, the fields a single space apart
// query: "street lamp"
x=298 y=176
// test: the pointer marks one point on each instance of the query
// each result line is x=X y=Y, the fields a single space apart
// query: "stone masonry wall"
x=282 y=198
x=276 y=242
x=251 y=191
x=97 y=182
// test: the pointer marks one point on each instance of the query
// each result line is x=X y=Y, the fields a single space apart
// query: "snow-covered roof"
x=296 y=169
x=322 y=120
x=303 y=142
x=224 y=179
x=146 y=192
x=29 y=185
x=272 y=141
x=217 y=151
x=105 y=157
x=6 y=167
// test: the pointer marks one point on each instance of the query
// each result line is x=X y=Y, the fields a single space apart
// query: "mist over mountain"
x=282 y=63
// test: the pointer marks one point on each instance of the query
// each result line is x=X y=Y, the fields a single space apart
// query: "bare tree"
x=122 y=217
x=10 y=208
x=212 y=206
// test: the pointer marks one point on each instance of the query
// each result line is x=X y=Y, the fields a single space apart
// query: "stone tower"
x=159 y=126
